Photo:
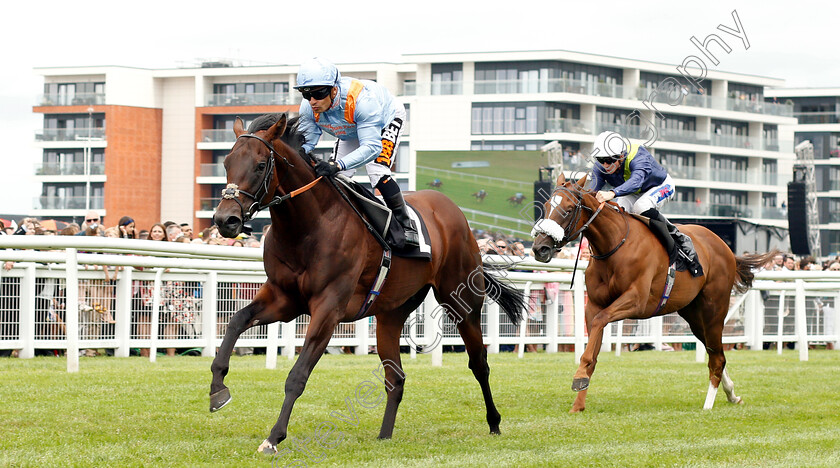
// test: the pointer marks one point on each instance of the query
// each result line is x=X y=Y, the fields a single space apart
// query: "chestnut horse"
x=626 y=277
x=321 y=260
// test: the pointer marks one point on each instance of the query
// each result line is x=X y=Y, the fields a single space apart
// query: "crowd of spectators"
x=179 y=301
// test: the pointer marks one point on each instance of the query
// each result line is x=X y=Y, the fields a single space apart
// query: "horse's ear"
x=238 y=127
x=560 y=180
x=582 y=181
x=276 y=130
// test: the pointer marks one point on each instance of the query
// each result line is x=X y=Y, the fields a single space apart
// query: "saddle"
x=385 y=224
x=681 y=254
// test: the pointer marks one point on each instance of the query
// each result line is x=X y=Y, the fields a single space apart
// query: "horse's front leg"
x=269 y=306
x=596 y=320
x=318 y=334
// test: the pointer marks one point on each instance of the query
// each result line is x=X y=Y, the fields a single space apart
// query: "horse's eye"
x=261 y=166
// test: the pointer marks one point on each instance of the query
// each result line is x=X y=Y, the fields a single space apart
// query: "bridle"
x=232 y=191
x=577 y=213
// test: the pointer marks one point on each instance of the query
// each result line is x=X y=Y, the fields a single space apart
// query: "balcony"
x=77 y=99
x=817 y=117
x=249 y=99
x=212 y=170
x=70 y=134
x=709 y=102
x=568 y=126
x=772 y=212
x=68 y=169
x=555 y=85
x=730 y=211
x=682 y=136
x=685 y=208
x=67 y=203
x=209 y=204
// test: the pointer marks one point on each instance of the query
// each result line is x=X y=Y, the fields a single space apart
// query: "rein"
x=231 y=191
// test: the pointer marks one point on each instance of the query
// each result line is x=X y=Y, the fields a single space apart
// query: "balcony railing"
x=68 y=169
x=568 y=126
x=67 y=203
x=77 y=99
x=685 y=208
x=773 y=212
x=209 y=204
x=212 y=170
x=709 y=102
x=682 y=136
x=817 y=117
x=555 y=85
x=218 y=136
x=70 y=134
x=250 y=99
x=730 y=211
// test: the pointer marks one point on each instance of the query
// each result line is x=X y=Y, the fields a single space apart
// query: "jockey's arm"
x=597 y=181
x=369 y=132
x=311 y=131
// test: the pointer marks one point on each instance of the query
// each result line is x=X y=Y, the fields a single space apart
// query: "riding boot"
x=397 y=205
x=660 y=228
x=683 y=245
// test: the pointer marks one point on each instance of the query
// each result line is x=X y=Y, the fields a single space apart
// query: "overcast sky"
x=795 y=41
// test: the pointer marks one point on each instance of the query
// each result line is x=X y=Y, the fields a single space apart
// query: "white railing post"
x=580 y=320
x=699 y=351
x=209 y=314
x=289 y=330
x=836 y=321
x=551 y=312
x=754 y=320
x=523 y=325
x=657 y=326
x=432 y=328
x=122 y=330
x=619 y=332
x=362 y=332
x=412 y=335
x=801 y=330
x=26 y=315
x=72 y=311
x=493 y=325
x=780 y=320
x=273 y=331
x=155 y=314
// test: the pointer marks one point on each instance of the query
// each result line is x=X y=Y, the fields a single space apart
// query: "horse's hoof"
x=495 y=431
x=266 y=448
x=580 y=385
x=576 y=410
x=219 y=399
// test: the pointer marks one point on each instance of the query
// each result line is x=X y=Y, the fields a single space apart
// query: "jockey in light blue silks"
x=640 y=186
x=367 y=121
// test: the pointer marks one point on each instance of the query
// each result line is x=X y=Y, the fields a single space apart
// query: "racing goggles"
x=317 y=93
x=608 y=159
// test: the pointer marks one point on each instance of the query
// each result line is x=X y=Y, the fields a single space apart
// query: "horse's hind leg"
x=470 y=329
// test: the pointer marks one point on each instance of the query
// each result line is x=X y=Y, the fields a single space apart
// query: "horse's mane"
x=291 y=136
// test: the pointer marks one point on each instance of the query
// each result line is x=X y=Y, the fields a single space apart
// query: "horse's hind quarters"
x=579 y=385
x=219 y=399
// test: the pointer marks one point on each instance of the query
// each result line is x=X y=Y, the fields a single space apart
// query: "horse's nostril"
x=233 y=221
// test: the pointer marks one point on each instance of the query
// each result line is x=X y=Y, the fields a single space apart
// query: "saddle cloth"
x=379 y=216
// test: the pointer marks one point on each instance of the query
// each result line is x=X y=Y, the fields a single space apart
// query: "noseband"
x=232 y=191
x=576 y=214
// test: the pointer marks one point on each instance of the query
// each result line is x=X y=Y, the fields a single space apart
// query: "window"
x=259 y=93
x=544 y=76
x=506 y=145
x=650 y=81
x=447 y=78
x=729 y=168
x=500 y=119
x=678 y=164
x=769 y=172
x=728 y=203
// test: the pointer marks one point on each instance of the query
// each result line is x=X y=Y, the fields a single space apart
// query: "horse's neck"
x=606 y=230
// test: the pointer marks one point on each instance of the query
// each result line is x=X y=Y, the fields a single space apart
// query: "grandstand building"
x=818 y=114
x=149 y=143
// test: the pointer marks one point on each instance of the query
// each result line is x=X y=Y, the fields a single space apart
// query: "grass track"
x=643 y=410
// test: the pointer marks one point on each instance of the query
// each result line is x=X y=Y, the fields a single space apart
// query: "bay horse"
x=480 y=195
x=627 y=273
x=516 y=199
x=321 y=260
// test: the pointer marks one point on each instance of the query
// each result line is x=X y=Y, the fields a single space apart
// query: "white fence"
x=169 y=295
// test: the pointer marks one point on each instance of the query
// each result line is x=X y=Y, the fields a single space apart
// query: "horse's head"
x=562 y=216
x=251 y=175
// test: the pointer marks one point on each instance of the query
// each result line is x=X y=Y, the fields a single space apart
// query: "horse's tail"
x=745 y=264
x=509 y=298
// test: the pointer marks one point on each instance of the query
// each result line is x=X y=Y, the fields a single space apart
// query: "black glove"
x=329 y=169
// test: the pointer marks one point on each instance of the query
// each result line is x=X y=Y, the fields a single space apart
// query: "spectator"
x=778 y=262
x=127 y=228
x=172 y=232
x=158 y=233
x=113 y=232
x=187 y=230
x=789 y=264
x=143 y=234
x=27 y=227
x=91 y=218
x=253 y=243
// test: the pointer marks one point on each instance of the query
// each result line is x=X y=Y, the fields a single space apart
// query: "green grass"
x=643 y=409
x=519 y=166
